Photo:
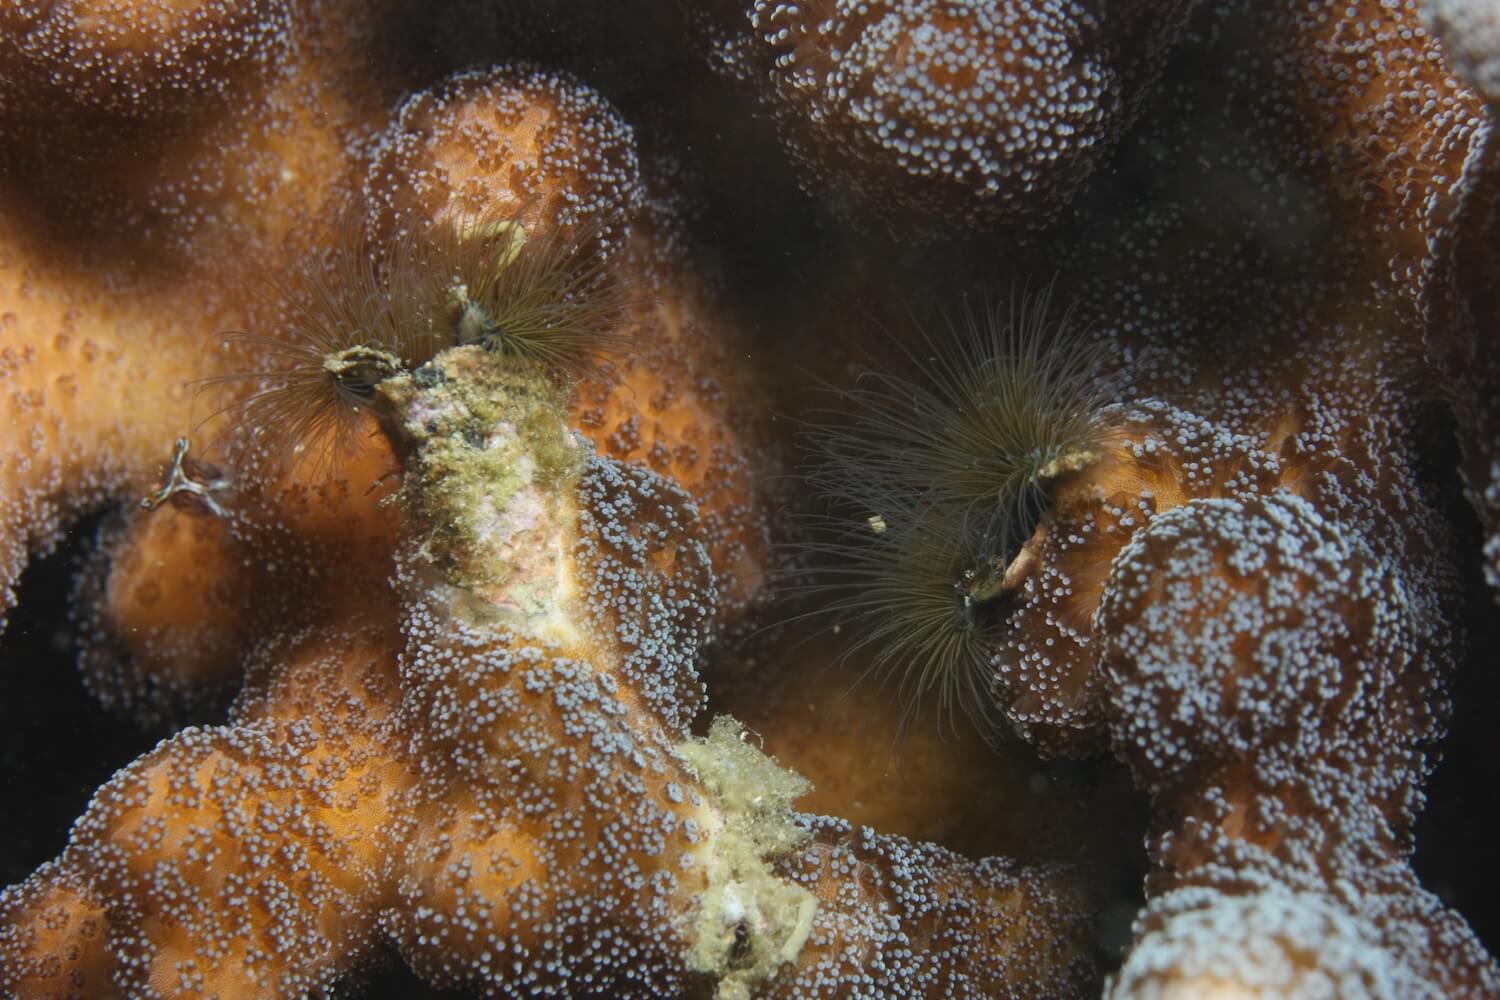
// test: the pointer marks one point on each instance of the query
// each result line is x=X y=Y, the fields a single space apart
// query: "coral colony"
x=630 y=500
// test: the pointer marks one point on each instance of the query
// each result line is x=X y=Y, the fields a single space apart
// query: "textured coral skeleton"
x=477 y=651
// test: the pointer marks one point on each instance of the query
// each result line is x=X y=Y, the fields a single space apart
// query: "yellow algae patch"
x=750 y=922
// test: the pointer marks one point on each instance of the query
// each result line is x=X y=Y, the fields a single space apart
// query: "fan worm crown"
x=360 y=314
x=932 y=480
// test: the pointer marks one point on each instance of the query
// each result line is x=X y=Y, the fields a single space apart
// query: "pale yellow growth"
x=749 y=921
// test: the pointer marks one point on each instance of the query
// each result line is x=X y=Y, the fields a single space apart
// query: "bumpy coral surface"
x=1250 y=594
x=554 y=147
x=498 y=681
x=479 y=753
x=965 y=114
x=136 y=59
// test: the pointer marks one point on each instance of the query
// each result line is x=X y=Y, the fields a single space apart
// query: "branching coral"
x=1465 y=349
x=1251 y=594
x=1247 y=593
x=488 y=766
x=66 y=343
x=471 y=645
x=498 y=788
x=1409 y=151
x=1250 y=602
x=90 y=313
x=1290 y=757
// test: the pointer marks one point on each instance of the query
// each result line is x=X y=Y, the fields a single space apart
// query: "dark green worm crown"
x=932 y=479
